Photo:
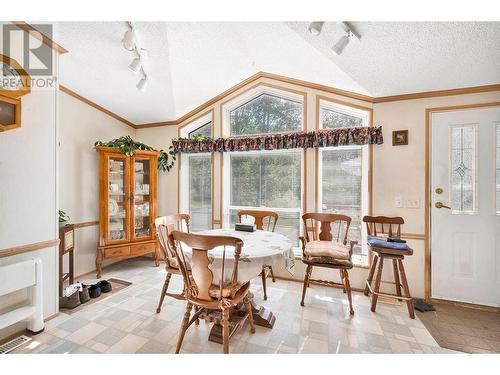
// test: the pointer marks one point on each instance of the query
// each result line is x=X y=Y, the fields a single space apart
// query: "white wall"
x=28 y=192
x=80 y=126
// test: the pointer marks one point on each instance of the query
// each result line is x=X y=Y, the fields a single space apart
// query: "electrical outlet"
x=398 y=202
x=413 y=203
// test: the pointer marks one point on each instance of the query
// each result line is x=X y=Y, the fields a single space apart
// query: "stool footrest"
x=386 y=294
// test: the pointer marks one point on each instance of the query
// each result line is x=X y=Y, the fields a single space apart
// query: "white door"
x=465 y=205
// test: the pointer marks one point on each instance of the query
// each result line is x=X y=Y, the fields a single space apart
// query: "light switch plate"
x=398 y=202
x=413 y=203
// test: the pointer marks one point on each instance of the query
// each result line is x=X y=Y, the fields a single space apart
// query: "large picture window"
x=343 y=174
x=196 y=179
x=267 y=180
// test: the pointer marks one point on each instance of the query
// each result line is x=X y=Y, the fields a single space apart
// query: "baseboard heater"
x=17 y=276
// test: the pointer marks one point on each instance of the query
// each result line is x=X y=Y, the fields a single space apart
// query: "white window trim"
x=184 y=161
x=344 y=109
x=365 y=160
x=200 y=121
x=252 y=94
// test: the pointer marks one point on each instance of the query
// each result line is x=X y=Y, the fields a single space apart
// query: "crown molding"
x=304 y=84
x=40 y=36
x=434 y=94
x=96 y=106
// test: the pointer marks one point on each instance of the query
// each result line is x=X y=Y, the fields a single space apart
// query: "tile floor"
x=126 y=322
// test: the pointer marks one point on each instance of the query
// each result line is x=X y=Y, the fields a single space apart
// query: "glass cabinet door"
x=117 y=201
x=142 y=202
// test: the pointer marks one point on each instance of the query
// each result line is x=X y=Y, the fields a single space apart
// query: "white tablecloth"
x=259 y=248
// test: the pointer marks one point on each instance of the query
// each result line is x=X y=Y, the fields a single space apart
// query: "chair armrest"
x=351 y=245
x=303 y=241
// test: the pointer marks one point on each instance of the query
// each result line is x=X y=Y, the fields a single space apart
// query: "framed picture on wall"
x=399 y=137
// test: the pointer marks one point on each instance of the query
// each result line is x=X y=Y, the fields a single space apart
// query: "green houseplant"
x=128 y=146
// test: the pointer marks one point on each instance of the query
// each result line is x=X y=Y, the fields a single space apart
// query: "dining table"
x=259 y=248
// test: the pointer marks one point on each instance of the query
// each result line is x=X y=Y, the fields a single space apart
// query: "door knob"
x=441 y=205
x=439 y=190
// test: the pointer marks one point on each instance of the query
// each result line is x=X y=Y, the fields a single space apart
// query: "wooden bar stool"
x=383 y=226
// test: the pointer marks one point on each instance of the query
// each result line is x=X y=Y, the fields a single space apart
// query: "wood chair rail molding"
x=10 y=251
x=86 y=224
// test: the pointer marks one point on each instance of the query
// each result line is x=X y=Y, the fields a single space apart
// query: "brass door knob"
x=439 y=191
x=441 y=205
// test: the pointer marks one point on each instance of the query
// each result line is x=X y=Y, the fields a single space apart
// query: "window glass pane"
x=266 y=114
x=462 y=169
x=333 y=119
x=200 y=191
x=497 y=172
x=200 y=183
x=288 y=222
x=341 y=182
x=204 y=130
x=266 y=179
x=272 y=180
x=343 y=178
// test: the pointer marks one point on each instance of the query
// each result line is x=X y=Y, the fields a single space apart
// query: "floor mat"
x=463 y=328
x=116 y=285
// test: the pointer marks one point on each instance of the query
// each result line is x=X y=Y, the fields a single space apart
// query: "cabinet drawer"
x=142 y=248
x=117 y=252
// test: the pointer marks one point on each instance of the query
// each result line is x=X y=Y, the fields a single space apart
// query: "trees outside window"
x=268 y=180
x=344 y=174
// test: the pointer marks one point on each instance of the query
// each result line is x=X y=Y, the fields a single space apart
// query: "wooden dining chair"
x=164 y=225
x=383 y=226
x=202 y=293
x=325 y=245
x=260 y=217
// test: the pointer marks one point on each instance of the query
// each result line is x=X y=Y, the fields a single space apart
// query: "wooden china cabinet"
x=127 y=205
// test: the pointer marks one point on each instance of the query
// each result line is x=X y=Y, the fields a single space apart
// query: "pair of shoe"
x=102 y=286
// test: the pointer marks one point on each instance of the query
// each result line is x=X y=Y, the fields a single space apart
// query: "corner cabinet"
x=127 y=205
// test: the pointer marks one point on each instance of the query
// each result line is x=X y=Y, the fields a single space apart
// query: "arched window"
x=267 y=180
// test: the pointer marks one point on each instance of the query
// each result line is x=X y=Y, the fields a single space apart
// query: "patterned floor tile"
x=127 y=322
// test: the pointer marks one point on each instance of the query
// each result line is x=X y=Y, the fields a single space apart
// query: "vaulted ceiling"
x=189 y=63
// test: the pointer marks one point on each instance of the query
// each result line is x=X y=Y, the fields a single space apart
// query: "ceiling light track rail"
x=138 y=65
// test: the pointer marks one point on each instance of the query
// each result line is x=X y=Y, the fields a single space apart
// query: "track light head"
x=136 y=65
x=128 y=40
x=143 y=83
x=315 y=28
x=340 y=45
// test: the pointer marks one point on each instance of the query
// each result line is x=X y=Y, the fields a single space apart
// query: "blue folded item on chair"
x=382 y=242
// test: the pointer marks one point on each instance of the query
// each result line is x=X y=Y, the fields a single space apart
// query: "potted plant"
x=63 y=218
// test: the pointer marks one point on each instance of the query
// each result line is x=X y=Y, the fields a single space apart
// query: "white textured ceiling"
x=190 y=63
x=394 y=58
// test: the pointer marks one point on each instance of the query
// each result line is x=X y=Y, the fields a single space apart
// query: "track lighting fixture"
x=340 y=45
x=142 y=84
x=315 y=28
x=138 y=65
x=128 y=40
x=344 y=39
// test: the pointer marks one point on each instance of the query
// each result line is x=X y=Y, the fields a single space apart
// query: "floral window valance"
x=320 y=138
